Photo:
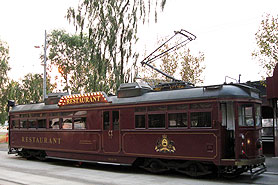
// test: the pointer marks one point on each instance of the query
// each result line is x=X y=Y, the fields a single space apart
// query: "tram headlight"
x=242 y=136
x=248 y=141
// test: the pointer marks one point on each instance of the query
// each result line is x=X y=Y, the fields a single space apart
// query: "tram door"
x=111 y=131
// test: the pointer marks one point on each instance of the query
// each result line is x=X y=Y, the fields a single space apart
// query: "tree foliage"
x=28 y=90
x=267 y=43
x=4 y=68
x=70 y=55
x=112 y=30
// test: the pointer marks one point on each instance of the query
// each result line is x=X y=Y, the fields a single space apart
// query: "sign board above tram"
x=77 y=99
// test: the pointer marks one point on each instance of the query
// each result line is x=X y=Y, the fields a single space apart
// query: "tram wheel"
x=155 y=166
x=41 y=155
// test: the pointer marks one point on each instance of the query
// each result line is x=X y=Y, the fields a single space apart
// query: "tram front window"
x=245 y=115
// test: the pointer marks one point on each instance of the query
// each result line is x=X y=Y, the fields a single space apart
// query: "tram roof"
x=196 y=93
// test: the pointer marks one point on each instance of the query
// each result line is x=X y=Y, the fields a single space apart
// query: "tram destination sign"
x=96 y=97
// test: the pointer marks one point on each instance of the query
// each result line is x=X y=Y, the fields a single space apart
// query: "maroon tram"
x=196 y=131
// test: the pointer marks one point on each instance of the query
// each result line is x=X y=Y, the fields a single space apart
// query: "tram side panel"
x=200 y=145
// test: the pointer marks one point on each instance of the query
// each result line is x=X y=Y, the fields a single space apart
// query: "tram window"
x=177 y=119
x=245 y=115
x=200 y=119
x=15 y=116
x=15 y=123
x=106 y=120
x=66 y=113
x=67 y=123
x=178 y=107
x=54 y=114
x=79 y=123
x=115 y=119
x=80 y=113
x=140 y=109
x=200 y=106
x=23 y=123
x=54 y=123
x=157 y=108
x=32 y=123
x=156 y=120
x=42 y=123
x=140 y=121
x=258 y=115
x=38 y=115
x=35 y=115
x=24 y=115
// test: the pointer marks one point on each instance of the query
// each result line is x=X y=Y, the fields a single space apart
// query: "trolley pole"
x=44 y=66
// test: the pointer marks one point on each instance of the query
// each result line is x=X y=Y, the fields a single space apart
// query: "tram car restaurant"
x=193 y=130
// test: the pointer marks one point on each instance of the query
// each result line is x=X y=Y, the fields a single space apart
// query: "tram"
x=193 y=130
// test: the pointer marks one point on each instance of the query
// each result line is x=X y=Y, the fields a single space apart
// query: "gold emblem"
x=165 y=145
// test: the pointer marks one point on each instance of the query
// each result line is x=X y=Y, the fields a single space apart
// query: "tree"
x=32 y=88
x=70 y=55
x=192 y=67
x=267 y=43
x=112 y=28
x=4 y=68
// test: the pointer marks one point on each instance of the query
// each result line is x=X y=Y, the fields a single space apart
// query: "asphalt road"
x=17 y=170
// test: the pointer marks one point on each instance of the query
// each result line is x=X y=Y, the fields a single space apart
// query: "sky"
x=225 y=32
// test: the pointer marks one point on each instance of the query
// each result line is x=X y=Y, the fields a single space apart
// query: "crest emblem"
x=165 y=145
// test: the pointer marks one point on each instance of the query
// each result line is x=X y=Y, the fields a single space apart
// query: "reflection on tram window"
x=156 y=120
x=106 y=120
x=245 y=115
x=200 y=119
x=42 y=123
x=54 y=123
x=140 y=109
x=115 y=119
x=157 y=108
x=66 y=113
x=140 y=121
x=177 y=120
x=178 y=107
x=15 y=123
x=80 y=113
x=80 y=123
x=23 y=123
x=67 y=123
x=200 y=106
x=258 y=118
x=32 y=123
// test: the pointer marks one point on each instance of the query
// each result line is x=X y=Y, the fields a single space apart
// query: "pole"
x=44 y=66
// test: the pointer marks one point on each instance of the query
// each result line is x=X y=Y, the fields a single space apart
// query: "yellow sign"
x=97 y=97
x=165 y=145
x=41 y=140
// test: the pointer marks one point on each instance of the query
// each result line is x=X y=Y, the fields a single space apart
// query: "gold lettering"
x=45 y=140
x=50 y=140
x=87 y=100
x=98 y=97
x=54 y=141
x=34 y=140
x=59 y=140
x=22 y=139
x=94 y=98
